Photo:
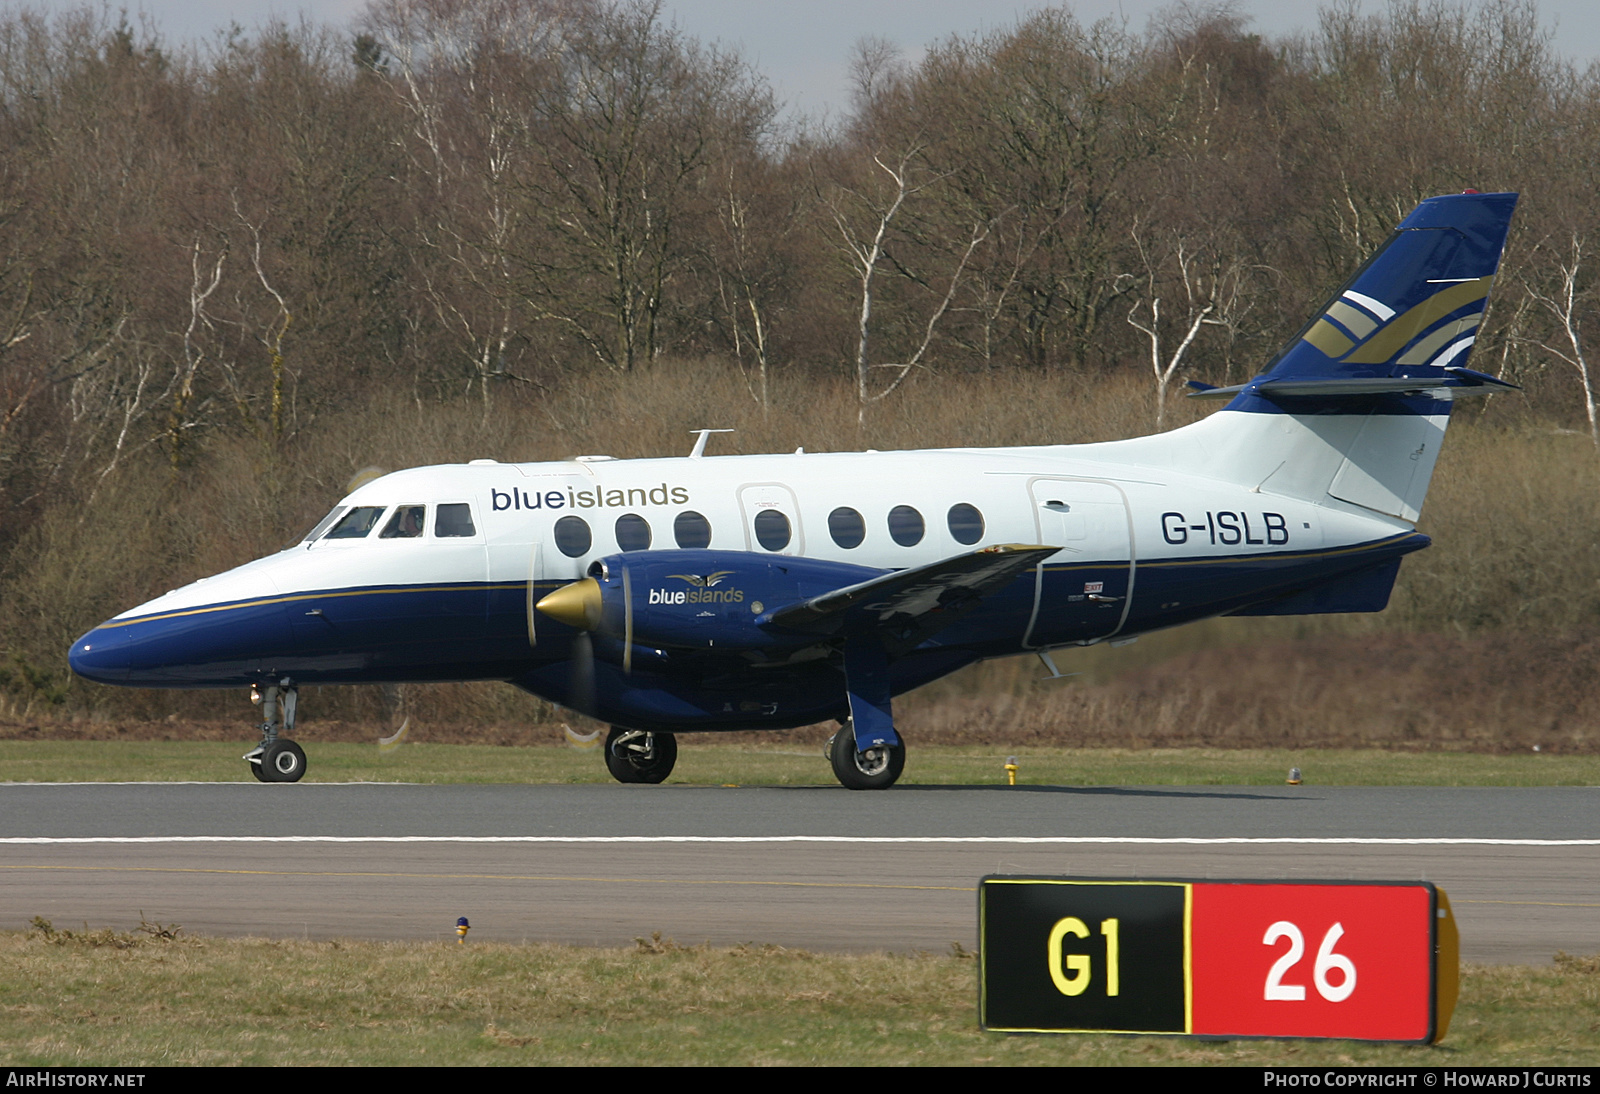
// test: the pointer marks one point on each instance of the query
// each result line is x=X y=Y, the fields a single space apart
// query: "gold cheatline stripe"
x=1400 y=330
x=517 y=585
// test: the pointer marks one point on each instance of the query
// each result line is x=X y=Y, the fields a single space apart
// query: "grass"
x=107 y=998
x=705 y=762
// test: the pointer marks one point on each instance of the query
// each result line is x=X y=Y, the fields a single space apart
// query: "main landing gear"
x=877 y=768
x=634 y=756
x=277 y=759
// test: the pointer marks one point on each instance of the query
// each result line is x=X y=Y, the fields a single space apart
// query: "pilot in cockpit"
x=405 y=524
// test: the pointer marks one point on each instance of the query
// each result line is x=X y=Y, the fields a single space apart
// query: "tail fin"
x=1410 y=312
x=1370 y=379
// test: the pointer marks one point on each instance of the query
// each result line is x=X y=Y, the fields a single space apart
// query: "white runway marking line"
x=1153 y=841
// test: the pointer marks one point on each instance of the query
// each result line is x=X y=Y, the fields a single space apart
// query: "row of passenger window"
x=773 y=530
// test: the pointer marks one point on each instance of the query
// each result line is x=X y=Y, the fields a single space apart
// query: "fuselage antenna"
x=700 y=442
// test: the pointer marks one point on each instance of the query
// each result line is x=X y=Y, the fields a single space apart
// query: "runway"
x=809 y=867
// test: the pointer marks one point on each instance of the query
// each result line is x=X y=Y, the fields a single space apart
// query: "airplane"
x=715 y=593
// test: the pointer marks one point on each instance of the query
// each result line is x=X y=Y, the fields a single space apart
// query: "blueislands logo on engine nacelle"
x=703 y=591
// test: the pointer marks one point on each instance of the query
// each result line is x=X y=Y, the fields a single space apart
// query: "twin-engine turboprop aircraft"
x=765 y=592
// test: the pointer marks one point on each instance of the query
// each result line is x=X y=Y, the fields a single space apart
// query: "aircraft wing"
x=907 y=606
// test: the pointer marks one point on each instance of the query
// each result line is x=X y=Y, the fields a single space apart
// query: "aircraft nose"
x=102 y=655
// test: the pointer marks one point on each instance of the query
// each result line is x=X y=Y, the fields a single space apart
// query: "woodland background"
x=234 y=275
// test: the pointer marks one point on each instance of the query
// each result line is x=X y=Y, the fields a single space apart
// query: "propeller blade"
x=581 y=693
x=535 y=568
x=627 y=622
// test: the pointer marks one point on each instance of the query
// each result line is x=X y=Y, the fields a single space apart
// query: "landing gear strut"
x=634 y=756
x=277 y=759
x=867 y=753
x=877 y=768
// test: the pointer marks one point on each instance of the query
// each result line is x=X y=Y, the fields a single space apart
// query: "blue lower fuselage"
x=480 y=631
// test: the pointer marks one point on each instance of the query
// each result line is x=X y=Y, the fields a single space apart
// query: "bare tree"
x=753 y=266
x=461 y=71
x=1210 y=290
x=632 y=118
x=1564 y=304
x=183 y=416
x=867 y=242
x=270 y=334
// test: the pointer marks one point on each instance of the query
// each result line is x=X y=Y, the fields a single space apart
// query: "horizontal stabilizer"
x=1456 y=383
x=907 y=606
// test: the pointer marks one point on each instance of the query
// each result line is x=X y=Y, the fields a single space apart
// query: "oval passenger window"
x=966 y=523
x=905 y=526
x=846 y=527
x=691 y=530
x=573 y=537
x=633 y=532
x=772 y=529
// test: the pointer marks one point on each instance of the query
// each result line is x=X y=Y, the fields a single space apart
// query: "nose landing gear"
x=277 y=759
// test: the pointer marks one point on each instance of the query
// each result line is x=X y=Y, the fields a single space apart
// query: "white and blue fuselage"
x=740 y=592
x=1141 y=547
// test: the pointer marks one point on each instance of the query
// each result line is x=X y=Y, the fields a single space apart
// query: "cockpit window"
x=406 y=522
x=357 y=522
x=322 y=525
x=454 y=519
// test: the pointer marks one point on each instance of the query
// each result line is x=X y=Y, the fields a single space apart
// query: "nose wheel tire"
x=281 y=762
x=633 y=756
x=875 y=769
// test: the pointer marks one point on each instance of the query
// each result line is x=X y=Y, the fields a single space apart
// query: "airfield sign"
x=1368 y=961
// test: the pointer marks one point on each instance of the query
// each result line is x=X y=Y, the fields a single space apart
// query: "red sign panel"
x=1312 y=961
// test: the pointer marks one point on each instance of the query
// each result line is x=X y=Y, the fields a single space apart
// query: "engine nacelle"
x=697 y=599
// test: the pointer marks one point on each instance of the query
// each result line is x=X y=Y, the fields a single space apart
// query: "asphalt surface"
x=382 y=809
x=813 y=867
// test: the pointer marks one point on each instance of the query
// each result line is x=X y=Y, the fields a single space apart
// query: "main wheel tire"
x=875 y=769
x=282 y=762
x=652 y=764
